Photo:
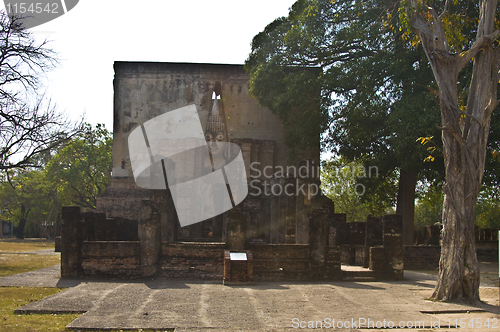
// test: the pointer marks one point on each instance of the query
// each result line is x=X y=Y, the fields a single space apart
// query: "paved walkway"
x=188 y=305
x=45 y=252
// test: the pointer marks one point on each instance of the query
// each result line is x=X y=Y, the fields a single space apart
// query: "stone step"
x=366 y=275
x=354 y=278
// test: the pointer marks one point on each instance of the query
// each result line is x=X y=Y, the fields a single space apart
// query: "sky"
x=94 y=34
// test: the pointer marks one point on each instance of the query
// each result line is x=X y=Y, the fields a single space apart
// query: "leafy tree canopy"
x=75 y=175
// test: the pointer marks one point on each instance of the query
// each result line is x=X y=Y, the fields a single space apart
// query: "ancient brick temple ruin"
x=283 y=230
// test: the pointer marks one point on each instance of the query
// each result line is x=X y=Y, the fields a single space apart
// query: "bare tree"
x=29 y=123
x=465 y=134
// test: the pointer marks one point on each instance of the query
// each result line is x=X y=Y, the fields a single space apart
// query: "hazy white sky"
x=95 y=33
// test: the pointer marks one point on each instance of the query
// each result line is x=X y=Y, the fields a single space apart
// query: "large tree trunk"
x=20 y=228
x=406 y=203
x=464 y=138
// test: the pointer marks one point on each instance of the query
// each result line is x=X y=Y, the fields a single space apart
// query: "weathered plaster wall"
x=145 y=90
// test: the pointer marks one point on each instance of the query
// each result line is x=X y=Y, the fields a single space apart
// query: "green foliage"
x=340 y=181
x=491 y=176
x=28 y=195
x=487 y=213
x=376 y=95
x=429 y=207
x=82 y=169
x=75 y=175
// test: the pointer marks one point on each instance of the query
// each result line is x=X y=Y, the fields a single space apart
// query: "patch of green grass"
x=16 y=245
x=12 y=298
x=17 y=263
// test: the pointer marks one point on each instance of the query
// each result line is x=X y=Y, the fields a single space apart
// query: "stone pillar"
x=246 y=151
x=434 y=234
x=169 y=222
x=393 y=244
x=71 y=242
x=266 y=158
x=254 y=158
x=168 y=230
x=150 y=238
x=236 y=228
x=303 y=208
x=282 y=212
x=265 y=211
x=253 y=215
x=291 y=211
x=275 y=207
x=318 y=239
x=373 y=236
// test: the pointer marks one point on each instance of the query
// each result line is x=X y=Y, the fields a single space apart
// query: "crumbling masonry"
x=273 y=234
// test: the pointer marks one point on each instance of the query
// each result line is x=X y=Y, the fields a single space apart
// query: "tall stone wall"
x=145 y=90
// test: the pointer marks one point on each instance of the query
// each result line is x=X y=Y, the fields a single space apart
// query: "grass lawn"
x=16 y=245
x=17 y=263
x=12 y=298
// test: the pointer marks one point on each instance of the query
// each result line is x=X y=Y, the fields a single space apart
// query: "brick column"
x=246 y=151
x=266 y=158
x=236 y=227
x=265 y=220
x=303 y=207
x=254 y=157
x=291 y=211
x=71 y=242
x=149 y=237
x=274 y=219
x=318 y=239
x=393 y=244
x=280 y=183
x=373 y=236
x=169 y=222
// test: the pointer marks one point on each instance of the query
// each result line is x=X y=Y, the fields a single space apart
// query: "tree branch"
x=479 y=44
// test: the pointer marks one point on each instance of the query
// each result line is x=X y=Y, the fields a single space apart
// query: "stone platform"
x=189 y=305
